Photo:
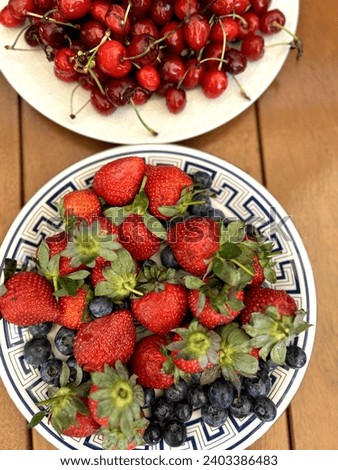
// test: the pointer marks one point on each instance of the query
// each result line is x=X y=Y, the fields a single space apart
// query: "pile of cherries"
x=123 y=51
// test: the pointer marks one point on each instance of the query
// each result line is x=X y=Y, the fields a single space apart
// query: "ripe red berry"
x=8 y=20
x=64 y=66
x=101 y=103
x=272 y=21
x=111 y=59
x=73 y=10
x=175 y=99
x=214 y=82
x=253 y=46
x=196 y=32
x=148 y=77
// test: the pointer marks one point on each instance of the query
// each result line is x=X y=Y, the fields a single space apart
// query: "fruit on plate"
x=125 y=54
x=151 y=308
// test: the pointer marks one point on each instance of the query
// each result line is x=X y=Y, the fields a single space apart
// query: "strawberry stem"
x=240 y=265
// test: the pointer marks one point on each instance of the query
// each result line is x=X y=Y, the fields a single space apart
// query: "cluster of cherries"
x=123 y=51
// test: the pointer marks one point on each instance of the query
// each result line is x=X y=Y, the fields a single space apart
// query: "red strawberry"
x=258 y=277
x=193 y=243
x=161 y=311
x=28 y=299
x=164 y=187
x=105 y=340
x=118 y=181
x=56 y=244
x=85 y=426
x=209 y=316
x=149 y=363
x=257 y=299
x=135 y=237
x=96 y=274
x=73 y=309
x=81 y=203
x=92 y=404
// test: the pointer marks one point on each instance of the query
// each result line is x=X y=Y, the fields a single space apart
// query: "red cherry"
x=193 y=74
x=196 y=32
x=271 y=21
x=236 y=61
x=111 y=59
x=53 y=35
x=87 y=81
x=119 y=90
x=144 y=26
x=260 y=6
x=19 y=8
x=185 y=9
x=241 y=6
x=64 y=66
x=230 y=27
x=101 y=102
x=115 y=20
x=175 y=99
x=213 y=50
x=140 y=96
x=214 y=82
x=31 y=35
x=222 y=7
x=251 y=24
x=161 y=11
x=44 y=5
x=253 y=46
x=148 y=77
x=143 y=49
x=172 y=68
x=138 y=7
x=8 y=20
x=175 y=40
x=73 y=10
x=99 y=9
x=91 y=33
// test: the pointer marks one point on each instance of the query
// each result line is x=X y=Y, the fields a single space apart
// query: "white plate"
x=240 y=196
x=32 y=77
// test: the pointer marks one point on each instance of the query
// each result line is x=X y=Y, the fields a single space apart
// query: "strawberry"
x=167 y=188
x=118 y=181
x=257 y=299
x=150 y=363
x=135 y=237
x=73 y=309
x=96 y=274
x=67 y=410
x=194 y=348
x=81 y=203
x=272 y=320
x=160 y=312
x=27 y=299
x=211 y=315
x=105 y=340
x=56 y=244
x=116 y=402
x=193 y=242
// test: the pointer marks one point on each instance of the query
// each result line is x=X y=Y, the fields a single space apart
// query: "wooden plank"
x=299 y=118
x=10 y=197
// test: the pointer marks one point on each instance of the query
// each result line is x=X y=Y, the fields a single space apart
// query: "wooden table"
x=288 y=141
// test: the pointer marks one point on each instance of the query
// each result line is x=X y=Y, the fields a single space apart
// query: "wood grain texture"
x=299 y=124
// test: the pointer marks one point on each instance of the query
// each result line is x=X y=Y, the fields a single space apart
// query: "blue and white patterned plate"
x=239 y=196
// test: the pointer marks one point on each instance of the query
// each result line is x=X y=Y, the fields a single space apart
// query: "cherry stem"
x=149 y=129
x=296 y=42
x=17 y=39
x=126 y=14
x=52 y=20
x=234 y=16
x=223 y=45
x=73 y=115
x=243 y=93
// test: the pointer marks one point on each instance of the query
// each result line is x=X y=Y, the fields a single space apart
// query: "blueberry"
x=212 y=416
x=220 y=393
x=241 y=406
x=50 y=371
x=258 y=386
x=202 y=178
x=176 y=392
x=40 y=330
x=265 y=409
x=75 y=369
x=153 y=434
x=183 y=411
x=174 y=433
x=162 y=410
x=168 y=259
x=149 y=397
x=197 y=396
x=268 y=365
x=36 y=351
x=64 y=340
x=295 y=357
x=202 y=206
x=100 y=306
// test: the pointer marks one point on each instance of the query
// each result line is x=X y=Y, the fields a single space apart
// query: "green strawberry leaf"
x=234 y=232
x=193 y=282
x=9 y=268
x=36 y=419
x=229 y=250
x=154 y=226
